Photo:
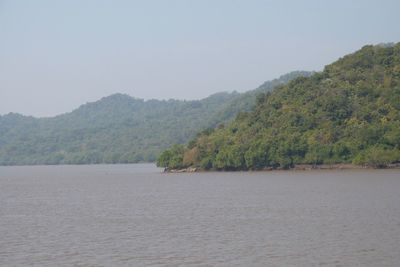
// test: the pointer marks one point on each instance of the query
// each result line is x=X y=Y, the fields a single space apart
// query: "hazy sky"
x=57 y=55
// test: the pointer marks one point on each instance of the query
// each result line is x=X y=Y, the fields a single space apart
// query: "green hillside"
x=118 y=128
x=348 y=113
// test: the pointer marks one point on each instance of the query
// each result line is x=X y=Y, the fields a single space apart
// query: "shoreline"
x=299 y=167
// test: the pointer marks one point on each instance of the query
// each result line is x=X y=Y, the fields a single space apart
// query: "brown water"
x=133 y=215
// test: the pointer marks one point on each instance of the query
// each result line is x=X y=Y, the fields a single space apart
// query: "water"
x=133 y=215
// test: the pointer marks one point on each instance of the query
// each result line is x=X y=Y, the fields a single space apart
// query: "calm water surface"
x=133 y=215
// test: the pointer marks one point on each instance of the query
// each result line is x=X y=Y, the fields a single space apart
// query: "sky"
x=57 y=55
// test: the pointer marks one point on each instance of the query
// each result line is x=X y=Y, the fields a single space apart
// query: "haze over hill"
x=56 y=55
x=119 y=128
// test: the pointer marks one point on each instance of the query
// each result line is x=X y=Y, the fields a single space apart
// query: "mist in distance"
x=55 y=56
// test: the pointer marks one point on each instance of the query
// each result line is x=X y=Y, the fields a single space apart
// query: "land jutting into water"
x=346 y=115
x=299 y=167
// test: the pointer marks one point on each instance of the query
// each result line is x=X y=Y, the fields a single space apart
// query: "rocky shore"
x=300 y=167
x=189 y=169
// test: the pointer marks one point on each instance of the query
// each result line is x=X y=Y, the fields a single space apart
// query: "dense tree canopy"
x=118 y=128
x=348 y=113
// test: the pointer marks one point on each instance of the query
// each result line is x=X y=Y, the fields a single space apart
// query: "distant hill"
x=348 y=113
x=118 y=128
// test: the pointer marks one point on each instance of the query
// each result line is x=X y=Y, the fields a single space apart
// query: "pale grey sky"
x=57 y=55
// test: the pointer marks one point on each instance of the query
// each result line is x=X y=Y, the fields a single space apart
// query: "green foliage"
x=119 y=128
x=171 y=158
x=377 y=156
x=349 y=113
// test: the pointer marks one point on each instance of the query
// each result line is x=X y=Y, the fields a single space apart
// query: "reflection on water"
x=112 y=215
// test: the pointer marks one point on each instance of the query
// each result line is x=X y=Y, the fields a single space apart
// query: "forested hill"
x=349 y=113
x=118 y=128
